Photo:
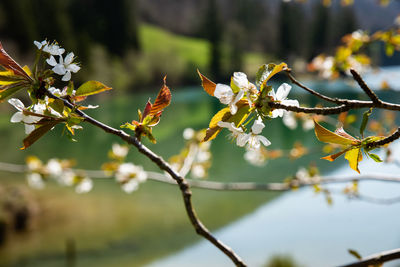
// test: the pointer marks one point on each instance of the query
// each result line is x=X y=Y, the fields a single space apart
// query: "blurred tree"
x=292 y=31
x=212 y=31
x=319 y=29
x=21 y=24
x=111 y=23
x=344 y=22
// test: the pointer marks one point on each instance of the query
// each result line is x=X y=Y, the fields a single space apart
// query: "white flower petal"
x=224 y=93
x=67 y=76
x=73 y=67
x=16 y=103
x=17 y=117
x=51 y=61
x=84 y=186
x=59 y=69
x=39 y=45
x=130 y=186
x=69 y=58
x=242 y=139
x=277 y=113
x=240 y=80
x=258 y=126
x=188 y=133
x=290 y=102
x=283 y=91
x=29 y=128
x=232 y=105
x=263 y=140
x=289 y=120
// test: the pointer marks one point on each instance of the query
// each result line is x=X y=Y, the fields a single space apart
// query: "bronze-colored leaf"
x=208 y=85
x=162 y=101
x=37 y=133
x=146 y=110
x=324 y=135
x=8 y=63
x=334 y=156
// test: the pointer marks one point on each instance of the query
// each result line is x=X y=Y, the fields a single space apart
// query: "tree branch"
x=376 y=259
x=311 y=91
x=394 y=136
x=365 y=87
x=163 y=165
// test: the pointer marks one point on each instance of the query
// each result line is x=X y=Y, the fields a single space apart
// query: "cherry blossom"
x=281 y=97
x=64 y=66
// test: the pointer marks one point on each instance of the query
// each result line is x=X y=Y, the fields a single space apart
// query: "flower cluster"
x=195 y=157
x=48 y=104
x=128 y=175
x=247 y=102
x=64 y=66
x=59 y=170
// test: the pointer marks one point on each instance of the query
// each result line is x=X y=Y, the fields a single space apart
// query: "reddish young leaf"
x=146 y=110
x=208 y=85
x=37 y=133
x=162 y=101
x=8 y=63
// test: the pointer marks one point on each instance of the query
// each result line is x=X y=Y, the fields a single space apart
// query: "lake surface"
x=302 y=226
x=111 y=228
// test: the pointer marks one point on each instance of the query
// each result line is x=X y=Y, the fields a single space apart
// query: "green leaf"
x=365 y=121
x=129 y=126
x=58 y=105
x=37 y=133
x=70 y=88
x=91 y=88
x=355 y=254
x=375 y=157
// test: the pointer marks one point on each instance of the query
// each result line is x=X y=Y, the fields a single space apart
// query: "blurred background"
x=130 y=46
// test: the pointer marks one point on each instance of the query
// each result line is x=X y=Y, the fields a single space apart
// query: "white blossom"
x=64 y=66
x=52 y=49
x=226 y=96
x=188 y=133
x=289 y=120
x=120 y=151
x=236 y=133
x=255 y=157
x=130 y=186
x=253 y=139
x=128 y=171
x=19 y=116
x=54 y=167
x=281 y=97
x=84 y=186
x=35 y=180
x=198 y=171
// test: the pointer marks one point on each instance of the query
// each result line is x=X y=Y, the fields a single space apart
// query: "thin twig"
x=365 y=87
x=163 y=165
x=394 y=136
x=311 y=91
x=376 y=259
